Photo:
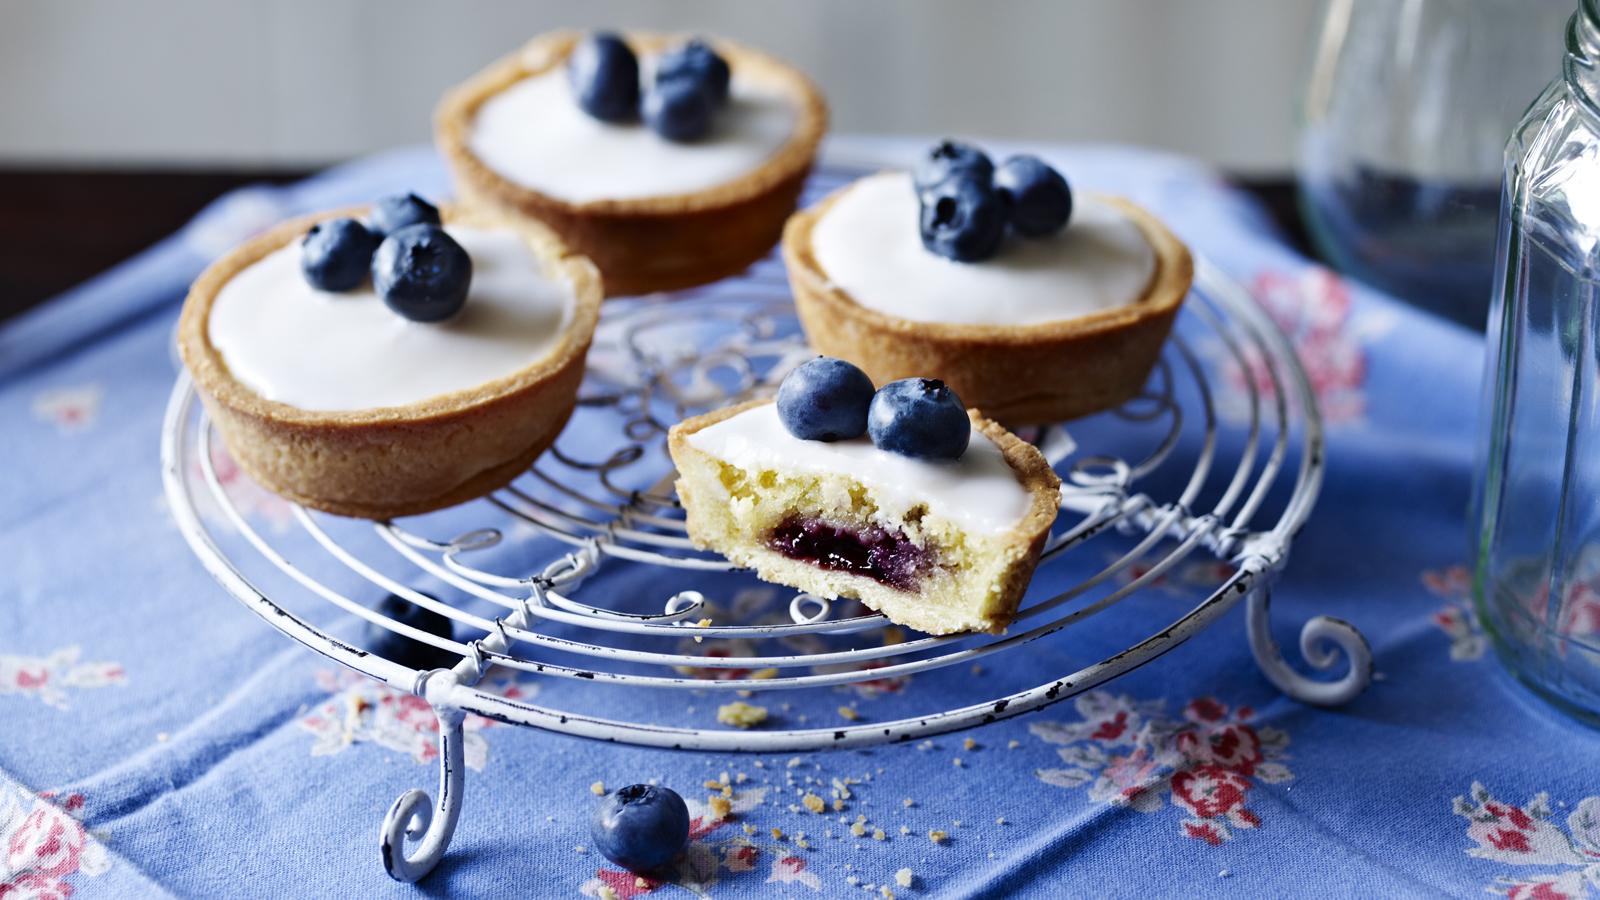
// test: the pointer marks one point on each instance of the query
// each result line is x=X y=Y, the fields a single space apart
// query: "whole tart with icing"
x=654 y=215
x=334 y=401
x=939 y=546
x=1047 y=329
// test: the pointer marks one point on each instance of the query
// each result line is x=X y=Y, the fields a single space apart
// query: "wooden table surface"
x=58 y=227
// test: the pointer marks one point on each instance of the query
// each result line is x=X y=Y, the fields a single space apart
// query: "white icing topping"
x=868 y=245
x=317 y=350
x=979 y=492
x=535 y=134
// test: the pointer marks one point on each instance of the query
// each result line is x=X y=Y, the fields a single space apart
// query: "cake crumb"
x=838 y=804
x=908 y=803
x=853 y=880
x=764 y=674
x=904 y=877
x=712 y=784
x=641 y=882
x=777 y=833
x=740 y=778
x=814 y=803
x=849 y=713
x=956 y=762
x=749 y=829
x=741 y=715
x=938 y=837
x=886 y=893
x=858 y=829
x=1224 y=873
x=1013 y=744
x=969 y=744
x=905 y=829
x=598 y=789
x=879 y=835
x=720 y=807
x=606 y=893
x=1000 y=821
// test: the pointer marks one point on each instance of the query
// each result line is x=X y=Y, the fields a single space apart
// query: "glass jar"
x=1406 y=113
x=1537 y=503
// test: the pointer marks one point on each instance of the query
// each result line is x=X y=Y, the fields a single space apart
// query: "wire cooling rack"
x=515 y=563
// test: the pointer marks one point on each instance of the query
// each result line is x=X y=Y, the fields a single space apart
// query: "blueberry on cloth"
x=948 y=158
x=919 y=417
x=678 y=110
x=396 y=211
x=962 y=218
x=640 y=827
x=825 y=399
x=335 y=254
x=701 y=65
x=422 y=273
x=410 y=651
x=604 y=75
x=1041 y=202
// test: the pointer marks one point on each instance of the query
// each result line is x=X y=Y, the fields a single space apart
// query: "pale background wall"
x=298 y=82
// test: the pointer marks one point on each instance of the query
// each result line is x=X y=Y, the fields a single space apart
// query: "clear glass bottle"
x=1405 y=115
x=1537 y=503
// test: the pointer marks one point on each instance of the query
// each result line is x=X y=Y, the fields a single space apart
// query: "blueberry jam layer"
x=887 y=557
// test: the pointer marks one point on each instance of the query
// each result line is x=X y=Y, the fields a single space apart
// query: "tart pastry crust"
x=646 y=244
x=399 y=460
x=1016 y=374
x=731 y=511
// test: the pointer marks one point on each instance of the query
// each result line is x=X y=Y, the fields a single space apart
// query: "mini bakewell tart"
x=1048 y=329
x=336 y=402
x=940 y=546
x=653 y=214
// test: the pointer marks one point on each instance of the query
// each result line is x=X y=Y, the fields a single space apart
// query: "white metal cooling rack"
x=744 y=333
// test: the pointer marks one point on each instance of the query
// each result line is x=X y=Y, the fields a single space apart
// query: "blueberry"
x=825 y=399
x=409 y=651
x=335 y=254
x=605 y=77
x=948 y=158
x=640 y=827
x=396 y=211
x=422 y=273
x=1041 y=202
x=697 y=62
x=963 y=218
x=919 y=417
x=678 y=110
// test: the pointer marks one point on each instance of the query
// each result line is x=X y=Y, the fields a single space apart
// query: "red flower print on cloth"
x=710 y=856
x=70 y=409
x=1527 y=836
x=1314 y=308
x=1456 y=618
x=250 y=499
x=43 y=844
x=366 y=711
x=1132 y=754
x=50 y=678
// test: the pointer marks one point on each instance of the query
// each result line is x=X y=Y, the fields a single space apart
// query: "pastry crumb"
x=794 y=762
x=858 y=829
x=641 y=882
x=814 y=803
x=886 y=893
x=849 y=713
x=853 y=880
x=905 y=829
x=579 y=848
x=749 y=829
x=598 y=789
x=777 y=833
x=741 y=715
x=712 y=784
x=838 y=804
x=606 y=893
x=719 y=806
x=764 y=674
x=1000 y=821
x=904 y=877
x=956 y=762
x=908 y=803
x=925 y=745
x=969 y=744
x=1013 y=744
x=938 y=837
x=879 y=835
x=1224 y=873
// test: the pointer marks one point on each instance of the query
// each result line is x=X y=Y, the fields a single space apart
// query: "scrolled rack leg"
x=1323 y=640
x=414 y=816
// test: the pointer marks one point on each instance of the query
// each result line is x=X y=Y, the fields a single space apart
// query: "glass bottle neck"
x=1581 y=67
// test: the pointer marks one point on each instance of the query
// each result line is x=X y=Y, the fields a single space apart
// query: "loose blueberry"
x=700 y=64
x=825 y=399
x=396 y=211
x=604 y=75
x=410 y=651
x=963 y=218
x=1041 y=202
x=422 y=273
x=948 y=158
x=678 y=110
x=335 y=254
x=919 y=417
x=640 y=827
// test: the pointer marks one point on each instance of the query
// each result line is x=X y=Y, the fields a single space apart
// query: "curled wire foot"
x=415 y=818
x=1323 y=641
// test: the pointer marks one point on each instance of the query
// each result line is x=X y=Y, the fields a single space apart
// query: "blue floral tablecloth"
x=157 y=739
